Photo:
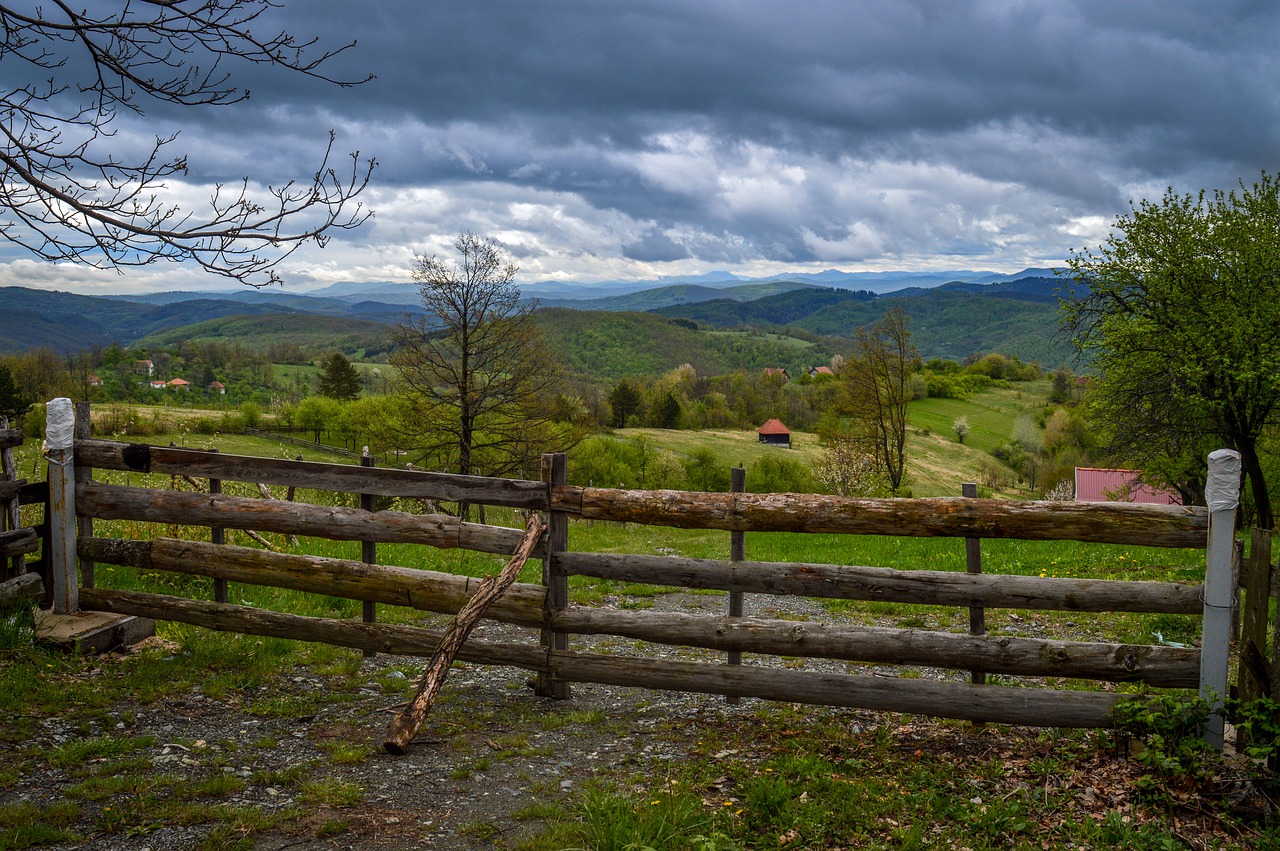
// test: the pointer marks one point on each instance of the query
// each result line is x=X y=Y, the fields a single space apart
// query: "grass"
x=787 y=780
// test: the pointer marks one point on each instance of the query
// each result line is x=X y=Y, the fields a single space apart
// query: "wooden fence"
x=16 y=541
x=546 y=606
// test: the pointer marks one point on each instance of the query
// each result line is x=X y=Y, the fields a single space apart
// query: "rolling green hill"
x=610 y=345
x=310 y=331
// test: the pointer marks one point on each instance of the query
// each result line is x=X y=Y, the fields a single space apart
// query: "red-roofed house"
x=218 y=387
x=180 y=383
x=820 y=370
x=775 y=433
x=776 y=372
x=1098 y=485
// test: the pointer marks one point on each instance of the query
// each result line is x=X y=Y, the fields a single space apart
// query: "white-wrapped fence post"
x=1223 y=495
x=60 y=418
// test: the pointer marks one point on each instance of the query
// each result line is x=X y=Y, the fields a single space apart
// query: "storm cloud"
x=604 y=141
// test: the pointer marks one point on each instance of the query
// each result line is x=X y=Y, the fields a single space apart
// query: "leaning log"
x=930 y=587
x=424 y=590
x=1166 y=667
x=28 y=586
x=1033 y=707
x=956 y=517
x=117 y=502
x=406 y=724
x=343 y=478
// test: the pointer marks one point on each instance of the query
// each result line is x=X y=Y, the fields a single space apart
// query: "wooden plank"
x=117 y=502
x=9 y=489
x=1167 y=667
x=1108 y=523
x=368 y=549
x=1034 y=707
x=28 y=586
x=424 y=590
x=18 y=542
x=737 y=552
x=1254 y=674
x=34 y=493
x=84 y=525
x=343 y=478
x=554 y=472
x=930 y=587
x=406 y=724
x=973 y=565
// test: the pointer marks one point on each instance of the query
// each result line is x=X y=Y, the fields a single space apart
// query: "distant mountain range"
x=1011 y=314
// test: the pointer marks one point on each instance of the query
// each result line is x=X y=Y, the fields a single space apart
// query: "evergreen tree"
x=338 y=379
x=14 y=400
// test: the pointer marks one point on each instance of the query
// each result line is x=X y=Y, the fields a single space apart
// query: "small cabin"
x=774 y=433
x=776 y=372
x=821 y=370
x=218 y=387
x=179 y=384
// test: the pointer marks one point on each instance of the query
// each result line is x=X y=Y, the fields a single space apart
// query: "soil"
x=490 y=749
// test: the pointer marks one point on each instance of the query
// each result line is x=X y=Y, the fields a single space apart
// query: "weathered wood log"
x=424 y=590
x=930 y=587
x=142 y=458
x=1167 y=667
x=1033 y=707
x=1254 y=678
x=28 y=586
x=1108 y=523
x=9 y=489
x=10 y=437
x=116 y=502
x=18 y=542
x=266 y=494
x=406 y=724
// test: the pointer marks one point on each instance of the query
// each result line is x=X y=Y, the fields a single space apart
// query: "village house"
x=180 y=384
x=1094 y=484
x=144 y=366
x=218 y=387
x=814 y=372
x=774 y=433
x=776 y=372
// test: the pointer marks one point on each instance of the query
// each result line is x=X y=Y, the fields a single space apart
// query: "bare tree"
x=474 y=372
x=878 y=377
x=71 y=71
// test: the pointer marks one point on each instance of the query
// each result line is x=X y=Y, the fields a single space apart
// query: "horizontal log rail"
x=1164 y=667
x=928 y=587
x=18 y=542
x=10 y=437
x=10 y=489
x=1094 y=522
x=28 y=586
x=424 y=590
x=344 y=478
x=118 y=502
x=1029 y=706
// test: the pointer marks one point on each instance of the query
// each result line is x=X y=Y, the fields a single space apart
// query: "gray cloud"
x=661 y=136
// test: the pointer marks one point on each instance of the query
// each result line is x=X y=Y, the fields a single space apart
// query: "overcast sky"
x=633 y=140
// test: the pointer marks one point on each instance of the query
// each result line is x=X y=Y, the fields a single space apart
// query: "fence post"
x=217 y=536
x=973 y=565
x=1254 y=680
x=368 y=549
x=84 y=525
x=554 y=472
x=13 y=512
x=1223 y=495
x=737 y=552
x=60 y=453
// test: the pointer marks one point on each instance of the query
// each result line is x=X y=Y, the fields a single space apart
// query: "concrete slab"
x=91 y=632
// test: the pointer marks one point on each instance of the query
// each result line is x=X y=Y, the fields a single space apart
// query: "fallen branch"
x=405 y=727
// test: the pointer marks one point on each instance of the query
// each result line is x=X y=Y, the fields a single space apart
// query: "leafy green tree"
x=338 y=379
x=1180 y=311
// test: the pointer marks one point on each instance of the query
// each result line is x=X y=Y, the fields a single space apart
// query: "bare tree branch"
x=67 y=195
